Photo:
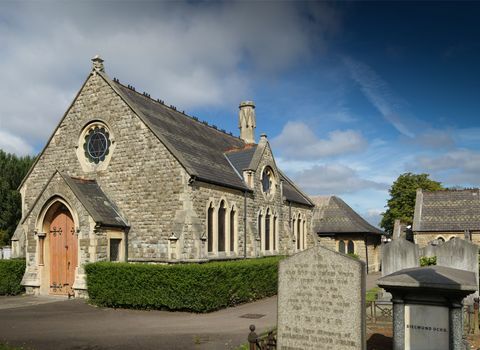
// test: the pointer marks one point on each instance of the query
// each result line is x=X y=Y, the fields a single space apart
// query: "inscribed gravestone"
x=321 y=301
x=459 y=254
x=398 y=255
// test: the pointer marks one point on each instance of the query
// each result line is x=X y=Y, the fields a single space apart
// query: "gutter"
x=243 y=189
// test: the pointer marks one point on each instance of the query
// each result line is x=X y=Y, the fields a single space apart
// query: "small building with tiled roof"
x=126 y=177
x=340 y=228
x=443 y=215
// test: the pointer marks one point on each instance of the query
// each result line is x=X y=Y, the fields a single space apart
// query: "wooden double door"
x=63 y=253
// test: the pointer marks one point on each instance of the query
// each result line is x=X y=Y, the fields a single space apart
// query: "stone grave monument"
x=321 y=301
x=427 y=307
x=399 y=254
x=459 y=254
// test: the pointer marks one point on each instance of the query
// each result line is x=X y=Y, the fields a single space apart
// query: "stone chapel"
x=125 y=177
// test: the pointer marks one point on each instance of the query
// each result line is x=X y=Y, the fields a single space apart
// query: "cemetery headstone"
x=321 y=301
x=430 y=250
x=7 y=252
x=398 y=255
x=398 y=230
x=427 y=306
x=459 y=254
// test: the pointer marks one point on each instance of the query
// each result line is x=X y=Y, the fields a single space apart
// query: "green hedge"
x=11 y=273
x=188 y=287
x=428 y=261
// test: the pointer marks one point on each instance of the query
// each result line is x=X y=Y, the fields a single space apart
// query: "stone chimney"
x=246 y=121
x=98 y=63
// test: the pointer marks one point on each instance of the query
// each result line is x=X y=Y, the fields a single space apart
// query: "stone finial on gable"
x=98 y=64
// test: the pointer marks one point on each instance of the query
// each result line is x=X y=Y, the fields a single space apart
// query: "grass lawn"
x=372 y=294
x=4 y=346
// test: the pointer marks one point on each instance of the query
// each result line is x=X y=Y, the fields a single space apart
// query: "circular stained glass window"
x=97 y=144
x=267 y=180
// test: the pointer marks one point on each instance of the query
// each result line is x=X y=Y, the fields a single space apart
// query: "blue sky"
x=350 y=94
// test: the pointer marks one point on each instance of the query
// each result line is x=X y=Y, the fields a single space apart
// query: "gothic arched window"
x=341 y=247
x=260 y=227
x=210 y=228
x=299 y=233
x=350 y=248
x=221 y=226
x=274 y=239
x=232 y=230
x=267 y=230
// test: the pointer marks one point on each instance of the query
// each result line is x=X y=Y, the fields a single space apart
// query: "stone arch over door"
x=58 y=248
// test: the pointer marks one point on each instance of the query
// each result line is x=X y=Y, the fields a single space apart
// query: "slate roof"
x=102 y=210
x=244 y=159
x=202 y=147
x=448 y=210
x=212 y=155
x=332 y=215
x=292 y=193
x=241 y=159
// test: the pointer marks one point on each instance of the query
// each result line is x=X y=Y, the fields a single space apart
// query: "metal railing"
x=379 y=312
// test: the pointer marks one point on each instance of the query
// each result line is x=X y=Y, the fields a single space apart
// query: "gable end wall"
x=143 y=178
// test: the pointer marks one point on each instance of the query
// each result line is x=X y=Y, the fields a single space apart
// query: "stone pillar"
x=456 y=326
x=398 y=323
x=397 y=229
x=247 y=121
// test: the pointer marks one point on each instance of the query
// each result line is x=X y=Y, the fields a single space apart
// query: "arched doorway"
x=63 y=247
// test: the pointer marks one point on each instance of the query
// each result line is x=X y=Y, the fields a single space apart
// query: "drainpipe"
x=126 y=230
x=366 y=251
x=245 y=224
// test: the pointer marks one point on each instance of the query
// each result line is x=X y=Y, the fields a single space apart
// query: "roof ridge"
x=353 y=214
x=174 y=108
x=472 y=189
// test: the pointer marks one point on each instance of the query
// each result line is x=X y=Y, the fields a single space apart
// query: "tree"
x=401 y=204
x=12 y=171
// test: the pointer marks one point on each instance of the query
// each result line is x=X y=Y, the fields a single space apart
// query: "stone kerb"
x=459 y=254
x=321 y=301
x=398 y=255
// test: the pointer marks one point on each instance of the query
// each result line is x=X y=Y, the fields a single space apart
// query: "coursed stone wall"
x=142 y=178
x=423 y=238
x=166 y=214
x=202 y=194
x=373 y=246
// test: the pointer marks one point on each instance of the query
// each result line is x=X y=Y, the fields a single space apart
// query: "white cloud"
x=373 y=216
x=13 y=144
x=436 y=138
x=334 y=179
x=189 y=54
x=297 y=141
x=378 y=92
x=456 y=167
